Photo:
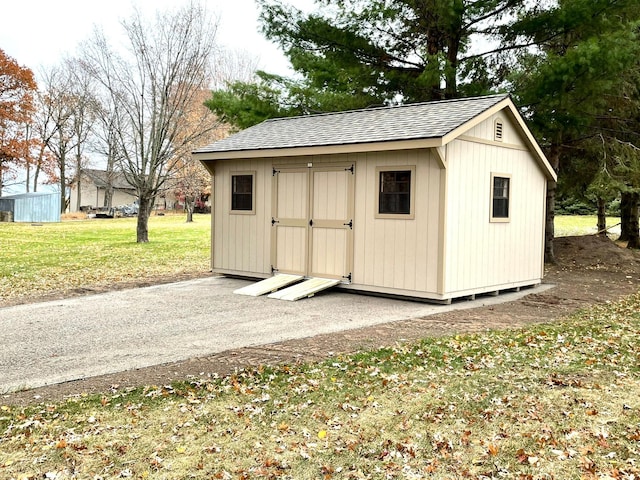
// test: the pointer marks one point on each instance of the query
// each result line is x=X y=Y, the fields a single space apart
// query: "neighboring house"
x=94 y=184
x=434 y=201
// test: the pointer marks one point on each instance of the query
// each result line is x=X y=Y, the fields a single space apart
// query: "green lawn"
x=570 y=225
x=72 y=254
x=550 y=401
x=61 y=256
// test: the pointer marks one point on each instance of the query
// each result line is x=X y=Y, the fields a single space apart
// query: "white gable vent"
x=497 y=135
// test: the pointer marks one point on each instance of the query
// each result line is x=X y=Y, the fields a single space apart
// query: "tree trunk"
x=79 y=197
x=625 y=216
x=602 y=217
x=144 y=212
x=38 y=167
x=634 y=228
x=189 y=204
x=108 y=196
x=549 y=231
x=27 y=168
x=63 y=189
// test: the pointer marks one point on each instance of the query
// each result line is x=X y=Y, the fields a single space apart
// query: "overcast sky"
x=39 y=32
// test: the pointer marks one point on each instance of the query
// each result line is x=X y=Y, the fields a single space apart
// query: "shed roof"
x=17 y=196
x=381 y=124
x=383 y=127
x=100 y=178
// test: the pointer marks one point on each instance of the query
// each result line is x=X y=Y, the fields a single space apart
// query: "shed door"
x=290 y=221
x=313 y=221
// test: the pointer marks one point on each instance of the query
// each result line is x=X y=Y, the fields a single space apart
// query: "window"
x=501 y=190
x=395 y=188
x=242 y=193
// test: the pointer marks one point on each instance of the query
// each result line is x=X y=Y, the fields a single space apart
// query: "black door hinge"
x=350 y=224
x=348 y=277
x=274 y=172
x=274 y=221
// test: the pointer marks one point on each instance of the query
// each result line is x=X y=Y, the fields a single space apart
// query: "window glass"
x=501 y=197
x=395 y=192
x=242 y=192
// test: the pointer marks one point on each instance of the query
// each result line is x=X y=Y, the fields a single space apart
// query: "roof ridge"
x=390 y=107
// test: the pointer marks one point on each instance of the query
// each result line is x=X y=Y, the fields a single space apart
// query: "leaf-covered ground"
x=556 y=400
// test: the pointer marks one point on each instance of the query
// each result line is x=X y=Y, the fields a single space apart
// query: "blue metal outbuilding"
x=32 y=207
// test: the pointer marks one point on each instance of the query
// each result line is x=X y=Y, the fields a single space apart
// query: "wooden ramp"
x=306 y=289
x=268 y=285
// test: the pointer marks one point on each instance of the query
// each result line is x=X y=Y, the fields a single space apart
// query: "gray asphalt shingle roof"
x=384 y=124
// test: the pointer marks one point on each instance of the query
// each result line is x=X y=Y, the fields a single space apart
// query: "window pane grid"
x=501 y=197
x=395 y=192
x=242 y=192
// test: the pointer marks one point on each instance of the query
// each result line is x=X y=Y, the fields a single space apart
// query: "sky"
x=38 y=33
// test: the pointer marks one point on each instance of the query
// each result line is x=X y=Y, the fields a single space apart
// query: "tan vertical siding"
x=397 y=253
x=481 y=254
x=486 y=130
x=241 y=241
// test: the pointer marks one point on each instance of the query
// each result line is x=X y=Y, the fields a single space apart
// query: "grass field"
x=569 y=225
x=71 y=254
x=556 y=401
x=96 y=253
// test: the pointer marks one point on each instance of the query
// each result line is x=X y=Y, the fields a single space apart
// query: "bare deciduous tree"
x=190 y=179
x=56 y=122
x=150 y=85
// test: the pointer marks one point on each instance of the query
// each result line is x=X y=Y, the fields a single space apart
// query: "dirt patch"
x=589 y=270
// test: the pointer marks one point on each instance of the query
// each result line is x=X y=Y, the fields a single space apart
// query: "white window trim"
x=412 y=193
x=253 y=193
x=507 y=219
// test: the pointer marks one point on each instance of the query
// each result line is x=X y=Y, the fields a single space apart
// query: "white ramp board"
x=268 y=285
x=308 y=288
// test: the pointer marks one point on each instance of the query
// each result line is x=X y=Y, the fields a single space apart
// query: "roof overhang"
x=506 y=105
x=321 y=150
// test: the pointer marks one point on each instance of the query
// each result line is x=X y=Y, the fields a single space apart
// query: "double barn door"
x=312 y=221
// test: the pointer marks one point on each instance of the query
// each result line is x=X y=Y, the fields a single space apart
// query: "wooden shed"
x=435 y=200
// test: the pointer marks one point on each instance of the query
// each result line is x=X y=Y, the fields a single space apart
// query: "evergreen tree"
x=585 y=48
x=358 y=53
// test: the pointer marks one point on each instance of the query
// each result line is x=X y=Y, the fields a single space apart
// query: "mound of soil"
x=589 y=270
x=595 y=252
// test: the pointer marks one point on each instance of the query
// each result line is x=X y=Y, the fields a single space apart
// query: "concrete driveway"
x=63 y=340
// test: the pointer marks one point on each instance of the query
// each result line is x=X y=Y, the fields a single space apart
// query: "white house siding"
x=397 y=254
x=482 y=256
x=94 y=197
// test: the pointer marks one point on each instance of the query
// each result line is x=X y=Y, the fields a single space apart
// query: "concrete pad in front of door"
x=80 y=337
